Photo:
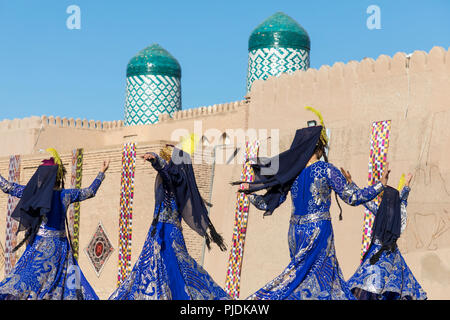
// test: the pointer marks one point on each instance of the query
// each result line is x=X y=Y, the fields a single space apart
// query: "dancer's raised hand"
x=105 y=165
x=347 y=175
x=148 y=156
x=385 y=176
x=408 y=179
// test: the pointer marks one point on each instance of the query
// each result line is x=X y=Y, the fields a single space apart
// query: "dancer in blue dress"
x=47 y=270
x=164 y=269
x=313 y=272
x=383 y=273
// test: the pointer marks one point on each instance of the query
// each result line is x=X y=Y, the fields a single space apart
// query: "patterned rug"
x=99 y=249
x=233 y=278
x=126 y=210
x=379 y=144
x=11 y=224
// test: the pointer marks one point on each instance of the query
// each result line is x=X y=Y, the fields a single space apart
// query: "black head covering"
x=36 y=200
x=279 y=172
x=387 y=223
x=189 y=201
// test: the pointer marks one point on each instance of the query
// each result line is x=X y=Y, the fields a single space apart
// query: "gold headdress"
x=166 y=153
x=187 y=144
x=323 y=135
x=58 y=161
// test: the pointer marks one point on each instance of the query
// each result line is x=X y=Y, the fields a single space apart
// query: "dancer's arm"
x=349 y=192
x=404 y=202
x=11 y=188
x=76 y=195
x=371 y=205
x=159 y=164
x=258 y=201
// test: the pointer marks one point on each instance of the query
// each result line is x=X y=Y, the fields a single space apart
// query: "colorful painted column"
x=278 y=45
x=379 y=145
x=11 y=224
x=75 y=208
x=126 y=210
x=153 y=86
x=233 y=277
x=2 y=256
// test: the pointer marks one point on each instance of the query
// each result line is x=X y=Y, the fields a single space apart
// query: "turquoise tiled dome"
x=153 y=86
x=154 y=60
x=279 y=30
x=278 y=45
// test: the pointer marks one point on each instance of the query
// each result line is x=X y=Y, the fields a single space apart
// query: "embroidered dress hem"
x=47 y=270
x=388 y=279
x=313 y=273
x=166 y=271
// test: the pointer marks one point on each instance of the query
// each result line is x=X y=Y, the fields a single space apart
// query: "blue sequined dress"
x=47 y=270
x=313 y=272
x=164 y=269
x=389 y=278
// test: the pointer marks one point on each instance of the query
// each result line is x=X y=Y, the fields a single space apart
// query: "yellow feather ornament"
x=401 y=183
x=58 y=161
x=323 y=135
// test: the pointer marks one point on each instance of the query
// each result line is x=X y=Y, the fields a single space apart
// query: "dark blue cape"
x=189 y=202
x=36 y=201
x=278 y=173
x=387 y=223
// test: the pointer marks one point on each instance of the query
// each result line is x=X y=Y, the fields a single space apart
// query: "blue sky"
x=45 y=68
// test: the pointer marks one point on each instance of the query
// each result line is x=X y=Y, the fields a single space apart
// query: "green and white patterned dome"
x=154 y=60
x=153 y=86
x=279 y=30
x=278 y=45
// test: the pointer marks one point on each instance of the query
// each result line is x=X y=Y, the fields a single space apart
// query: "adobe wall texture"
x=412 y=91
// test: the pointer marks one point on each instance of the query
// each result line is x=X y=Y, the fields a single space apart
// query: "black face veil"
x=387 y=223
x=188 y=199
x=278 y=173
x=36 y=201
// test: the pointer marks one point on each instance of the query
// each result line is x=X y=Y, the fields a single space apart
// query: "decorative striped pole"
x=74 y=209
x=11 y=224
x=126 y=210
x=379 y=144
x=2 y=256
x=233 y=278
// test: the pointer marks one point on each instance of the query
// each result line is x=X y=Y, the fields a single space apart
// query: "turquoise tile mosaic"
x=268 y=62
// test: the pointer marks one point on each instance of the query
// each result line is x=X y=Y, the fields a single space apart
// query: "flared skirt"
x=388 y=279
x=166 y=271
x=47 y=270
